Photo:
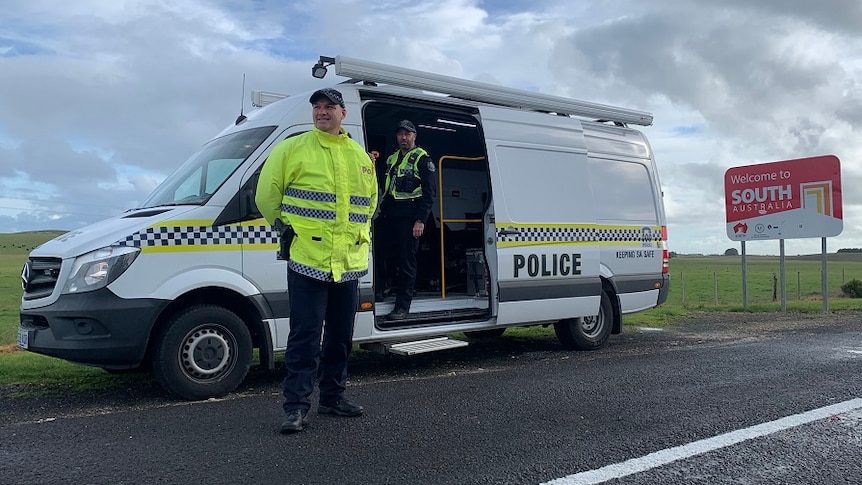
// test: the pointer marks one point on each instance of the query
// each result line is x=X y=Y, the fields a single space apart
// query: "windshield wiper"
x=190 y=200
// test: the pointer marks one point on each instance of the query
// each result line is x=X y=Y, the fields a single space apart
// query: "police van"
x=549 y=212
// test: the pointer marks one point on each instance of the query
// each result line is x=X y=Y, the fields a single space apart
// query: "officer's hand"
x=418 y=229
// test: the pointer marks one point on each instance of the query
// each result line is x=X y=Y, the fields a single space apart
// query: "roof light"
x=260 y=99
x=438 y=128
x=456 y=123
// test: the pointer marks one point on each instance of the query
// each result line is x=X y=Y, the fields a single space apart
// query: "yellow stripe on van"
x=189 y=249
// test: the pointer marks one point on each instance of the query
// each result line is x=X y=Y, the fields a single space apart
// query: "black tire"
x=203 y=352
x=587 y=333
x=481 y=334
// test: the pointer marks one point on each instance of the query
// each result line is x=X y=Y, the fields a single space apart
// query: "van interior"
x=451 y=282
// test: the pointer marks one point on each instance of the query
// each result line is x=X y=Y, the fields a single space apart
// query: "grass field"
x=714 y=283
x=717 y=280
x=14 y=249
x=708 y=283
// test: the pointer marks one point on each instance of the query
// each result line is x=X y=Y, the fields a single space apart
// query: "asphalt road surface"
x=720 y=398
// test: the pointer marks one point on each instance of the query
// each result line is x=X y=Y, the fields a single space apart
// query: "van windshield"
x=202 y=174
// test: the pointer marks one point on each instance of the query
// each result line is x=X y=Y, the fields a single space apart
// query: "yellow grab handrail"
x=442 y=220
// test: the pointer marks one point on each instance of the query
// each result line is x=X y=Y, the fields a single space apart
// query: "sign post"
x=790 y=199
x=744 y=281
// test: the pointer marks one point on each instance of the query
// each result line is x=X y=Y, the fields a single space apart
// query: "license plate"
x=23 y=338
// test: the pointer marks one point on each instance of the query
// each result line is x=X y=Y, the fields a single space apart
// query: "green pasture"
x=14 y=249
x=710 y=283
x=715 y=282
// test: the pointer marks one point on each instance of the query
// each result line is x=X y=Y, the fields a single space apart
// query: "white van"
x=549 y=213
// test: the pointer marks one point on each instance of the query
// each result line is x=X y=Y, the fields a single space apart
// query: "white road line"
x=663 y=457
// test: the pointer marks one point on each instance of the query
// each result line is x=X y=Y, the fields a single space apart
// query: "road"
x=720 y=398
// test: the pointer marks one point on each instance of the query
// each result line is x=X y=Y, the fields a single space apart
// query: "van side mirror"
x=242 y=206
x=248 y=207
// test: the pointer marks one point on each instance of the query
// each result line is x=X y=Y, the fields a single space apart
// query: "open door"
x=547 y=256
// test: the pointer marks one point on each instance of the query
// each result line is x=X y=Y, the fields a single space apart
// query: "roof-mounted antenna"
x=241 y=117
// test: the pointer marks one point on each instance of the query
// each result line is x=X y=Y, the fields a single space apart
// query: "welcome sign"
x=784 y=200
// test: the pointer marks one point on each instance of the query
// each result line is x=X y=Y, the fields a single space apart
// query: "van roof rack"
x=375 y=72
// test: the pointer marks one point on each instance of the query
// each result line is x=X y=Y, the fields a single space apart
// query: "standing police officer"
x=322 y=186
x=409 y=190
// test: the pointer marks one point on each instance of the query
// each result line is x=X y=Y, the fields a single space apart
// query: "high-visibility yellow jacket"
x=324 y=186
x=403 y=181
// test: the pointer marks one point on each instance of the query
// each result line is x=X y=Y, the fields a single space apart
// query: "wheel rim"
x=206 y=352
x=591 y=326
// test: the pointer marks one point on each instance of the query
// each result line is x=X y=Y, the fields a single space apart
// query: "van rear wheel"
x=203 y=352
x=587 y=333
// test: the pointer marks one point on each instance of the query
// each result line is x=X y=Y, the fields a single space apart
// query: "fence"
x=718 y=280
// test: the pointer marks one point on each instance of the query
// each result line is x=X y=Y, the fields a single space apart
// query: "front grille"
x=40 y=277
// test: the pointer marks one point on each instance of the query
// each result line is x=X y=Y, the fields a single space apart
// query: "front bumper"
x=97 y=328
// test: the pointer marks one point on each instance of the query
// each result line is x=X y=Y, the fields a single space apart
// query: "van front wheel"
x=587 y=333
x=203 y=352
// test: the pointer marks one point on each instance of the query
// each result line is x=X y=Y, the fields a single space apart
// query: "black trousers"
x=305 y=360
x=399 y=249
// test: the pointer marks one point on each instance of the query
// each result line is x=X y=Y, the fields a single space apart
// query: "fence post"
x=715 y=287
x=798 y=287
x=682 y=285
x=774 y=287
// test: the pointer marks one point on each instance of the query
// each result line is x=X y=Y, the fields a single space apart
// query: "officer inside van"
x=409 y=189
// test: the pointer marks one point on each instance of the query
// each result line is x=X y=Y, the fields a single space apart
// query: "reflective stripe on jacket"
x=406 y=182
x=324 y=186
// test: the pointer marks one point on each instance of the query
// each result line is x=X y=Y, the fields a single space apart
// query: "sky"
x=101 y=100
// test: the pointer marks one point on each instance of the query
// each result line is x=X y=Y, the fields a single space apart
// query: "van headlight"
x=98 y=268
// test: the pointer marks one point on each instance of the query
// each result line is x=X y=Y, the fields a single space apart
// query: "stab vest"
x=402 y=179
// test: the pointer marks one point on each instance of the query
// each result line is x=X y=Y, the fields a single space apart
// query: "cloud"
x=771 y=82
x=101 y=100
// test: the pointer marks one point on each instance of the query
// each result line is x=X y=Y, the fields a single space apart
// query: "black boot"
x=341 y=407
x=294 y=421
x=397 y=314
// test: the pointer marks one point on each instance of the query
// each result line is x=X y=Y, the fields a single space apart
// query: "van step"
x=423 y=346
x=433 y=317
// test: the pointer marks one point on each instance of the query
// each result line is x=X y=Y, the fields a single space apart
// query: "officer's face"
x=406 y=139
x=327 y=115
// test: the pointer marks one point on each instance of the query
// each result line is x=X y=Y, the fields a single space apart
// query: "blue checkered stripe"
x=539 y=234
x=547 y=234
x=200 y=236
x=323 y=275
x=627 y=235
x=358 y=218
x=310 y=195
x=359 y=200
x=310 y=213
